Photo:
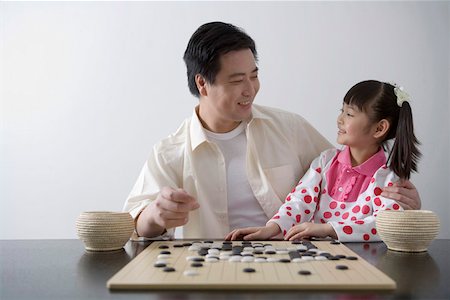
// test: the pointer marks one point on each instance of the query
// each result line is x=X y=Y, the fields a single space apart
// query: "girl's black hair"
x=207 y=44
x=379 y=101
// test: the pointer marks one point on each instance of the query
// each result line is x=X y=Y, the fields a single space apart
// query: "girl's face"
x=355 y=128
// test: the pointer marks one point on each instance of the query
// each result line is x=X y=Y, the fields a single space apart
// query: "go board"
x=270 y=265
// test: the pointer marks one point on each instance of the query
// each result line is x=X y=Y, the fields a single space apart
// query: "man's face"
x=228 y=101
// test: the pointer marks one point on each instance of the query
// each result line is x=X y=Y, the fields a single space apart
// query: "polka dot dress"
x=353 y=221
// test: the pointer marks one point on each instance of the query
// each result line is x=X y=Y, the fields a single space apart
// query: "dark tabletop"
x=62 y=269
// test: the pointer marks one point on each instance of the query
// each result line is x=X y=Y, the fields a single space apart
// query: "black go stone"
x=178 y=245
x=341 y=267
x=334 y=242
x=340 y=256
x=163 y=247
x=160 y=265
x=208 y=242
x=249 y=270
x=285 y=260
x=196 y=264
x=198 y=259
x=187 y=244
x=351 y=258
x=169 y=269
x=304 y=272
x=203 y=252
x=165 y=252
x=294 y=254
x=333 y=258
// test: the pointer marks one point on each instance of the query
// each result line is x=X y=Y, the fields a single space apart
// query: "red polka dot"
x=347 y=229
x=288 y=208
x=377 y=191
x=289 y=213
x=300 y=182
x=390 y=184
x=284 y=232
x=323 y=221
x=340 y=222
x=356 y=209
x=374 y=231
x=288 y=198
x=366 y=237
x=372 y=180
x=316 y=199
x=368 y=198
x=377 y=201
x=276 y=217
x=353 y=218
x=365 y=209
x=343 y=206
x=333 y=205
x=293 y=190
x=292 y=225
x=324 y=191
x=360 y=222
x=318 y=170
x=297 y=218
x=327 y=215
x=308 y=199
x=396 y=206
x=316 y=189
x=303 y=191
x=345 y=215
x=337 y=214
x=307 y=211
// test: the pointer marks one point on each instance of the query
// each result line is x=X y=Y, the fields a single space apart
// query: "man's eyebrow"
x=242 y=74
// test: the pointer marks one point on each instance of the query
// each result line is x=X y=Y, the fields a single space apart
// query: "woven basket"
x=409 y=230
x=103 y=230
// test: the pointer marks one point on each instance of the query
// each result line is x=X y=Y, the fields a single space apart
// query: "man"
x=232 y=163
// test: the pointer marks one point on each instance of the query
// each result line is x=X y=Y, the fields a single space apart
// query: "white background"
x=86 y=89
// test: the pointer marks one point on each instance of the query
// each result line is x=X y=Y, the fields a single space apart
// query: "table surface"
x=62 y=269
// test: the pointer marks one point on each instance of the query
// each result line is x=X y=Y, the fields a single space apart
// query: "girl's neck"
x=360 y=155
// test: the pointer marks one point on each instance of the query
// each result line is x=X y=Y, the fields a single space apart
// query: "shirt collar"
x=197 y=132
x=369 y=167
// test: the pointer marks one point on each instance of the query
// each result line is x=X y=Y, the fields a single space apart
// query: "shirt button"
x=340 y=189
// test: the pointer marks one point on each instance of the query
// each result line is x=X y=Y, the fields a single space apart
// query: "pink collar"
x=367 y=168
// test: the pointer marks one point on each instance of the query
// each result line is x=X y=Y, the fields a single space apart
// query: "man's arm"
x=405 y=193
x=170 y=209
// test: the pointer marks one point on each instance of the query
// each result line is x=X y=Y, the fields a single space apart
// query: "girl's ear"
x=382 y=128
x=201 y=85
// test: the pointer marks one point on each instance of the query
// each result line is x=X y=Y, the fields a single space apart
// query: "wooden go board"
x=271 y=265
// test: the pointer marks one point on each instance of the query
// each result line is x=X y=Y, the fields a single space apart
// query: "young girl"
x=340 y=194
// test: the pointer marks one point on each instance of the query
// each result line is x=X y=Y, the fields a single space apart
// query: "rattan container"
x=409 y=230
x=104 y=230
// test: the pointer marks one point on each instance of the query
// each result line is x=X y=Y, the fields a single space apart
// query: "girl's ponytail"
x=405 y=153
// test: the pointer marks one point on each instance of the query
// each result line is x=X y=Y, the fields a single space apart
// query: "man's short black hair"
x=207 y=44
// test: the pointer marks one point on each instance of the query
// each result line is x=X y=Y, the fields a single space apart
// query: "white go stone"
x=247 y=259
x=190 y=273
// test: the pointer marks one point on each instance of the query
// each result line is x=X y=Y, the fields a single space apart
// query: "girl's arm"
x=301 y=203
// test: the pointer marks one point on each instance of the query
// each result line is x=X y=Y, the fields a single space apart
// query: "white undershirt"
x=244 y=209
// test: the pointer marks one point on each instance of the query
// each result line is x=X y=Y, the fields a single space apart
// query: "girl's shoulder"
x=385 y=176
x=326 y=157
